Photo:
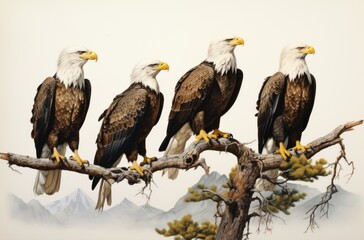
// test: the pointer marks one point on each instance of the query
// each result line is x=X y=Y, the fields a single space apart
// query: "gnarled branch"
x=190 y=158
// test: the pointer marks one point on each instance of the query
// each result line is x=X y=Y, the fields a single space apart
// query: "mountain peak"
x=75 y=202
x=213 y=178
x=129 y=203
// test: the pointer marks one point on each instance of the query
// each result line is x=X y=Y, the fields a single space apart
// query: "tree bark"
x=236 y=214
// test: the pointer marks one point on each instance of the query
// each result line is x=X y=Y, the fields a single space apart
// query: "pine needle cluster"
x=186 y=229
x=197 y=195
x=282 y=200
x=301 y=168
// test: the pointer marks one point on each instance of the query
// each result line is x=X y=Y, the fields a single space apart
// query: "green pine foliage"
x=196 y=194
x=281 y=201
x=301 y=168
x=186 y=229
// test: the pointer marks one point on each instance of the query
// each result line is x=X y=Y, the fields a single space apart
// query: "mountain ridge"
x=78 y=208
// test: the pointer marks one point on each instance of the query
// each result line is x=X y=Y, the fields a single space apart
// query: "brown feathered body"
x=58 y=114
x=284 y=108
x=126 y=124
x=201 y=97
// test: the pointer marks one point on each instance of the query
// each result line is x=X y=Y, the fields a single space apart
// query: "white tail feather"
x=105 y=190
x=104 y=194
x=177 y=145
x=48 y=181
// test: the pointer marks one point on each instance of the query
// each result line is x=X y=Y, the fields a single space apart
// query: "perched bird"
x=127 y=122
x=59 y=110
x=284 y=105
x=202 y=96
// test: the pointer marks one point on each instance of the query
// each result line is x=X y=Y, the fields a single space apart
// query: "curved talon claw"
x=57 y=156
x=148 y=160
x=219 y=133
x=136 y=167
x=283 y=151
x=78 y=159
x=301 y=147
x=203 y=135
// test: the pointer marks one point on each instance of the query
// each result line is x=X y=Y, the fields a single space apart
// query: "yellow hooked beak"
x=89 y=55
x=162 y=66
x=236 y=41
x=308 y=50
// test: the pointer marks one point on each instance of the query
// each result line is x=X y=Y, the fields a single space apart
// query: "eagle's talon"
x=284 y=152
x=301 y=147
x=219 y=134
x=148 y=160
x=56 y=156
x=203 y=135
x=78 y=159
x=137 y=167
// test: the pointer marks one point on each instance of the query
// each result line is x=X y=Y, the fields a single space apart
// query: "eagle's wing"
x=269 y=105
x=161 y=100
x=310 y=103
x=190 y=92
x=125 y=114
x=42 y=113
x=87 y=101
x=234 y=96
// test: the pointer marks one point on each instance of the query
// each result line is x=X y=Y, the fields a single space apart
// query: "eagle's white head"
x=293 y=63
x=70 y=65
x=221 y=54
x=146 y=72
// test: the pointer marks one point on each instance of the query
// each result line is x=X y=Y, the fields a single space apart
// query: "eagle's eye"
x=81 y=52
x=300 y=48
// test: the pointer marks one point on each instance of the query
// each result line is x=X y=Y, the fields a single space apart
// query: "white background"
x=124 y=33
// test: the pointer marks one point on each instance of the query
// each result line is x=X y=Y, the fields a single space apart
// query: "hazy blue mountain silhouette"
x=78 y=208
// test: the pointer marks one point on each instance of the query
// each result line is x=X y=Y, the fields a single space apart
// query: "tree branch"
x=190 y=158
x=272 y=161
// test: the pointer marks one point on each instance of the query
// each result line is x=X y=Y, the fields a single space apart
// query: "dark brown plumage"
x=59 y=111
x=202 y=96
x=58 y=114
x=284 y=108
x=126 y=124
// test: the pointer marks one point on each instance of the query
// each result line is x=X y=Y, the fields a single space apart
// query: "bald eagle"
x=127 y=122
x=285 y=103
x=59 y=110
x=202 y=96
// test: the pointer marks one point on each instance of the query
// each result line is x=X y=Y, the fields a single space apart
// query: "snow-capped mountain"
x=31 y=212
x=75 y=204
x=127 y=212
x=77 y=208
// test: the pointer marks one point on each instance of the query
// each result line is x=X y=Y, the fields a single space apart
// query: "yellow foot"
x=148 y=160
x=136 y=167
x=219 y=133
x=303 y=148
x=57 y=156
x=203 y=135
x=78 y=159
x=283 y=151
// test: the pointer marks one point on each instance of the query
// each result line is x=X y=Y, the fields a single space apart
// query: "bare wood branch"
x=190 y=158
x=271 y=161
x=324 y=204
x=251 y=165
